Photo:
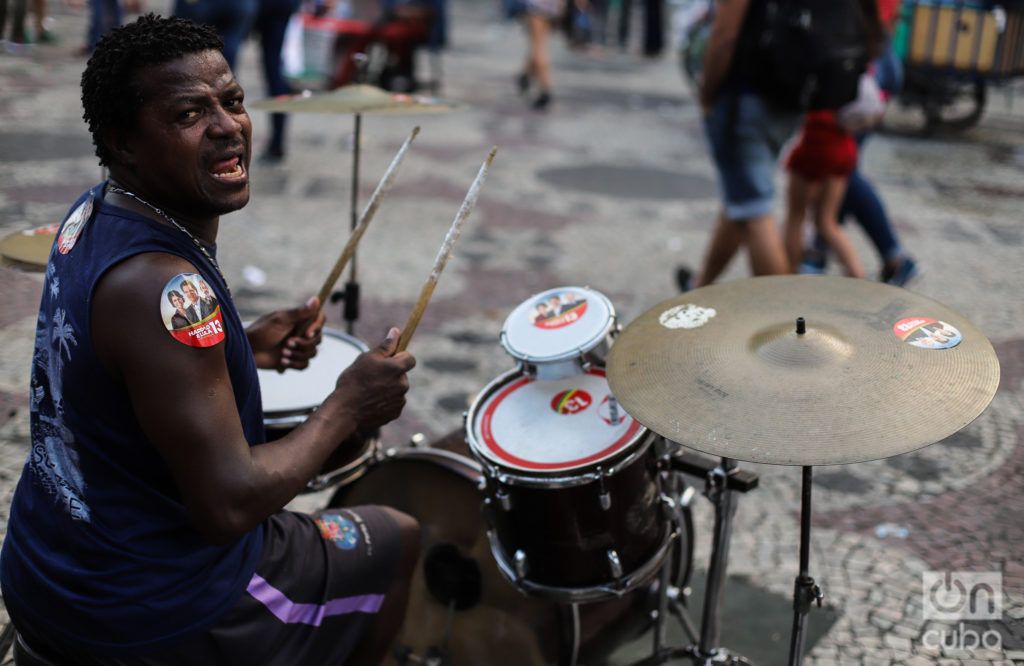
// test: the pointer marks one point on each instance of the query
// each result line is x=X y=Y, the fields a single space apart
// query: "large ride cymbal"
x=879 y=370
x=358 y=98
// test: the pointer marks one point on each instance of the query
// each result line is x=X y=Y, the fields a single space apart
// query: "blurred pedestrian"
x=104 y=15
x=819 y=165
x=745 y=134
x=271 y=23
x=18 y=43
x=230 y=18
x=862 y=200
x=539 y=17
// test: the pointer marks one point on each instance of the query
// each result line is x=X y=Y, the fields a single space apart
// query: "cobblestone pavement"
x=612 y=188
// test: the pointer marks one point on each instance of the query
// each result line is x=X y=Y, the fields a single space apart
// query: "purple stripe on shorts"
x=290 y=612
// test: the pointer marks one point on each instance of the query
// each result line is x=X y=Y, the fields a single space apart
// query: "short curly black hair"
x=110 y=92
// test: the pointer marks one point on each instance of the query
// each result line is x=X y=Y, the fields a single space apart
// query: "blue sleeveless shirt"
x=100 y=552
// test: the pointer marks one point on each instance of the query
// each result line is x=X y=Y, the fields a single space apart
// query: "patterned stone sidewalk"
x=612 y=188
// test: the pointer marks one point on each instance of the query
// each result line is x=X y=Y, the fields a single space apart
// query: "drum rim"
x=608 y=466
x=589 y=345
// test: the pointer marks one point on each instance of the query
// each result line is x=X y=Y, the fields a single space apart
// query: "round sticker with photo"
x=191 y=312
x=558 y=309
x=927 y=333
x=73 y=226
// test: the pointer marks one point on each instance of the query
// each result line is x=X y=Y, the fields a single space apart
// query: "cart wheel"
x=958 y=107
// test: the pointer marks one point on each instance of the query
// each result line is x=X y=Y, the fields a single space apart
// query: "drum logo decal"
x=686 y=316
x=191 y=312
x=73 y=226
x=558 y=309
x=338 y=530
x=610 y=411
x=927 y=333
x=572 y=401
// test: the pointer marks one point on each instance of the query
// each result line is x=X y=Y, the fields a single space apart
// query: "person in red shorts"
x=819 y=166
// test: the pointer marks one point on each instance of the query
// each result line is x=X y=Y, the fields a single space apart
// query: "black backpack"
x=802 y=55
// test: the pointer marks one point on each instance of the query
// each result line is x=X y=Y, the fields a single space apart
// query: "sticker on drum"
x=290 y=396
x=558 y=324
x=551 y=425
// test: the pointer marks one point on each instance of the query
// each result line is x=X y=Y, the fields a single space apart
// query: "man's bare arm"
x=184 y=402
x=725 y=32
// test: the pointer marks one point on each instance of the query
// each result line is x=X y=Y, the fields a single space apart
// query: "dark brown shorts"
x=320 y=582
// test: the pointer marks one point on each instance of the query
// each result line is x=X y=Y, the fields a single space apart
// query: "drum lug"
x=614 y=564
x=585 y=361
x=604 y=497
x=520 y=563
x=504 y=500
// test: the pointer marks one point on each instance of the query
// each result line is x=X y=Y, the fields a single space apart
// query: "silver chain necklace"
x=177 y=225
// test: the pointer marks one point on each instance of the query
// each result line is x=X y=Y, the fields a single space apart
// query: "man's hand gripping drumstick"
x=445 y=252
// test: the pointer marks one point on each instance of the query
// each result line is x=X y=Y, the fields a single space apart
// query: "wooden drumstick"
x=364 y=221
x=445 y=253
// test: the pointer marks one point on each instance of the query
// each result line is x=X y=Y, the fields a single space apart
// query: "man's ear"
x=118 y=141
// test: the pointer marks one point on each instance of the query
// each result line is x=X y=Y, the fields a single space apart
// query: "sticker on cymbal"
x=73 y=226
x=572 y=401
x=558 y=309
x=686 y=316
x=191 y=312
x=927 y=333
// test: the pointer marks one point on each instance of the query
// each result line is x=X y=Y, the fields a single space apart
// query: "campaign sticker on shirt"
x=558 y=309
x=687 y=315
x=191 y=312
x=73 y=226
x=927 y=333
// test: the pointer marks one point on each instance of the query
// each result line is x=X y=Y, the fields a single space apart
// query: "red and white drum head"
x=551 y=425
x=557 y=324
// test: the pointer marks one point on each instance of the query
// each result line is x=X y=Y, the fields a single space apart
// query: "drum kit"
x=557 y=524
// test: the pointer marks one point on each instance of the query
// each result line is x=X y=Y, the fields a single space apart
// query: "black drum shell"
x=564 y=531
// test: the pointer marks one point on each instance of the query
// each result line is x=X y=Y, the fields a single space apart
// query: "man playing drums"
x=147 y=527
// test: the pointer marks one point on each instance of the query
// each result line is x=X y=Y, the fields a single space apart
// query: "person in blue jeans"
x=230 y=18
x=863 y=203
x=271 y=23
x=745 y=135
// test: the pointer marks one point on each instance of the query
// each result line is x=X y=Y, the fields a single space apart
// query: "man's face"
x=193 y=141
x=205 y=288
x=190 y=291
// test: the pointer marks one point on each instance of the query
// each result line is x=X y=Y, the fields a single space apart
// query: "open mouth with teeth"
x=229 y=171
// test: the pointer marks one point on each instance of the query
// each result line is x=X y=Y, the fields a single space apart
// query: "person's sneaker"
x=902 y=274
x=684 y=278
x=542 y=102
x=813 y=262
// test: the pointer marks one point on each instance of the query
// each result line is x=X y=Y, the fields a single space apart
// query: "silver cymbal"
x=879 y=370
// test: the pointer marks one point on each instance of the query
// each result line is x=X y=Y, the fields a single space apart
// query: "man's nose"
x=225 y=123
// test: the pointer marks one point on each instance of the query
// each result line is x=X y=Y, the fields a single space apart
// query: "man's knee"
x=409 y=538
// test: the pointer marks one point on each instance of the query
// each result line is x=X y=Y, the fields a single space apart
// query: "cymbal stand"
x=721 y=484
x=350 y=311
x=805 y=590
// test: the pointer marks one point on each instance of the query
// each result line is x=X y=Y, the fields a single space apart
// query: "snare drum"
x=560 y=332
x=290 y=397
x=573 y=502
